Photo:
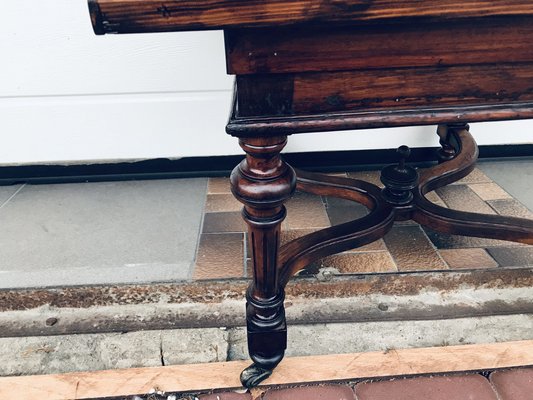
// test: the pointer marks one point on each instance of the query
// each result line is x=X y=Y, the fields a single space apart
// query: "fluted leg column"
x=263 y=182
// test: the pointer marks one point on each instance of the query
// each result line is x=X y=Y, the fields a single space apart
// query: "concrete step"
x=85 y=352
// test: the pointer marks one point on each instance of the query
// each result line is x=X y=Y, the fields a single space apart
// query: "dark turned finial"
x=404 y=152
x=399 y=180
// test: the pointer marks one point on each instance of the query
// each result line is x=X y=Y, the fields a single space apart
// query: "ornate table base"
x=319 y=66
x=263 y=182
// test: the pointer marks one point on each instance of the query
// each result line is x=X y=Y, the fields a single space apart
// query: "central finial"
x=399 y=179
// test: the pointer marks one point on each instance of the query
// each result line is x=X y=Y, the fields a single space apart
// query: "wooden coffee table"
x=327 y=65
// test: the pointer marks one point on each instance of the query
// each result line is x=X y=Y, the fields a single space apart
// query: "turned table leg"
x=263 y=182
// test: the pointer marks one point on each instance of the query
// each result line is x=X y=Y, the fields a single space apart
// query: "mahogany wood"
x=301 y=252
x=464 y=161
x=387 y=89
x=326 y=65
x=263 y=182
x=324 y=122
x=421 y=44
x=458 y=222
x=455 y=222
x=136 y=16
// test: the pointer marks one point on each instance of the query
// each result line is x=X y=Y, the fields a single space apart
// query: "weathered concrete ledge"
x=376 y=297
x=70 y=353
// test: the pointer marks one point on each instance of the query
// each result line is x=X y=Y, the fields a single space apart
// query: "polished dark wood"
x=284 y=50
x=328 y=65
x=136 y=16
x=387 y=89
x=336 y=121
x=263 y=182
x=301 y=252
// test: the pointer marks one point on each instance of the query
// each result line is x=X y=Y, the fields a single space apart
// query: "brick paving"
x=467 y=387
x=511 y=384
x=426 y=250
x=514 y=384
x=333 y=392
x=226 y=396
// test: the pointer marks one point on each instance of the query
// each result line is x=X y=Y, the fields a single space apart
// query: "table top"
x=136 y=16
x=324 y=65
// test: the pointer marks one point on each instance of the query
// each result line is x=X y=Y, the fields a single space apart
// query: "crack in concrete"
x=161 y=354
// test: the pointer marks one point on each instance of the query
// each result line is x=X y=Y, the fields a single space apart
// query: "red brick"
x=515 y=384
x=466 y=387
x=330 y=392
x=226 y=396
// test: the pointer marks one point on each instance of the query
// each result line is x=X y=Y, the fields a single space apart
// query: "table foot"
x=267 y=334
x=254 y=375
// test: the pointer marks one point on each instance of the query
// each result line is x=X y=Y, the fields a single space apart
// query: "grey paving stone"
x=6 y=193
x=89 y=233
x=515 y=177
x=512 y=257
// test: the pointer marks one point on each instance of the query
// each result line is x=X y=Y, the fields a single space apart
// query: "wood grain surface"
x=384 y=89
x=225 y=375
x=459 y=42
x=128 y=16
x=326 y=122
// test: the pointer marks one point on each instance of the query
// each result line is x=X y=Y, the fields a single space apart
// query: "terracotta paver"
x=468 y=258
x=462 y=198
x=222 y=202
x=407 y=247
x=489 y=191
x=411 y=249
x=220 y=256
x=306 y=211
x=291 y=234
x=226 y=396
x=327 y=392
x=434 y=198
x=354 y=263
x=516 y=384
x=466 y=387
x=476 y=176
x=218 y=186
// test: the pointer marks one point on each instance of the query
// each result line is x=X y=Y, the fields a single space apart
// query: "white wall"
x=67 y=95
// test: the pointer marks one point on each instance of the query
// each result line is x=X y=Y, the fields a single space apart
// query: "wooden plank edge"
x=225 y=375
x=290 y=124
